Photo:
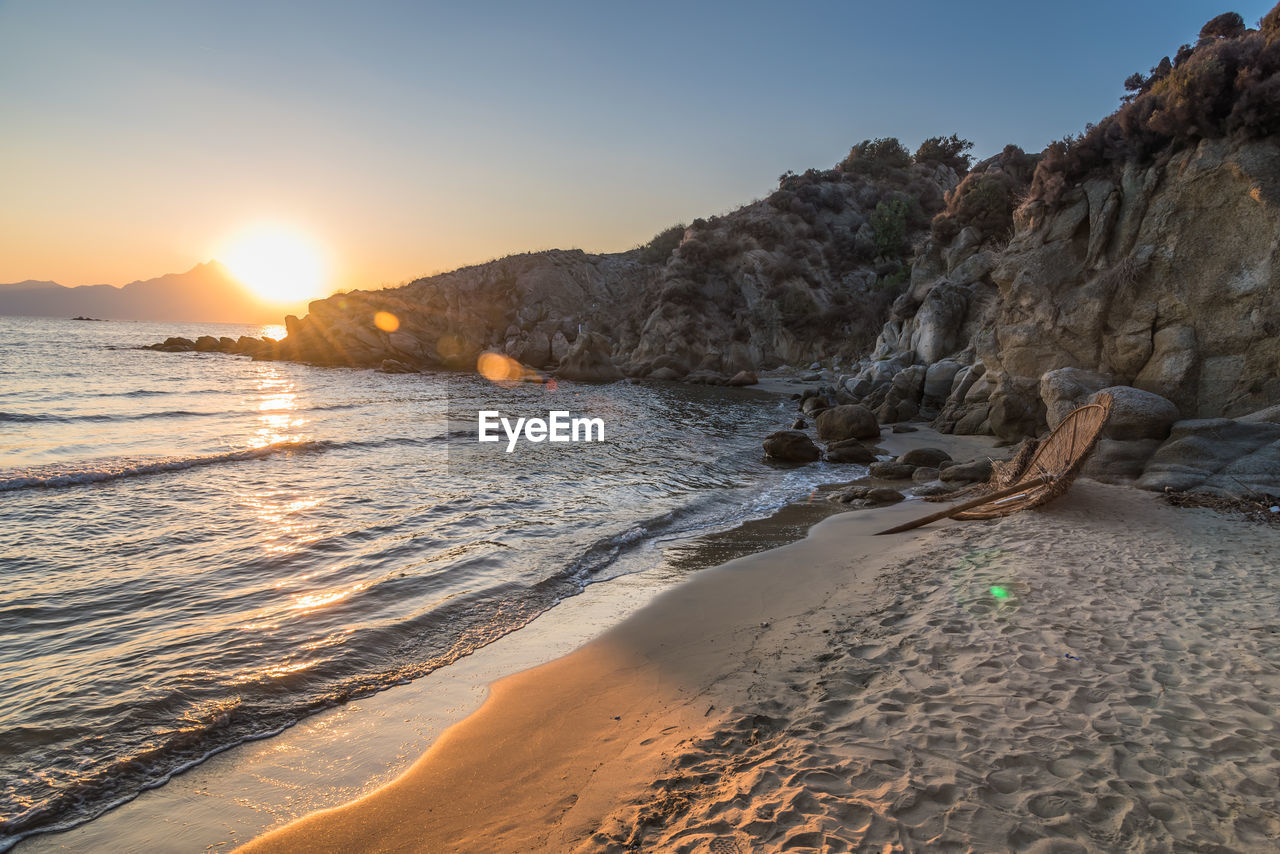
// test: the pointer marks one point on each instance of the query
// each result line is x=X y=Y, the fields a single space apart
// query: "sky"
x=402 y=139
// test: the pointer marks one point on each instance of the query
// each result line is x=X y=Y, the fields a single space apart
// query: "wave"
x=42 y=418
x=115 y=470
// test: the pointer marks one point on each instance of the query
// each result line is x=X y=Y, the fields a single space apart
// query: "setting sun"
x=277 y=263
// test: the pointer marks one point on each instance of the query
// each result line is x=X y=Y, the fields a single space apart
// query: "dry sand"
x=1100 y=675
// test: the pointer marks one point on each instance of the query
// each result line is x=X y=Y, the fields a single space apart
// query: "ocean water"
x=200 y=549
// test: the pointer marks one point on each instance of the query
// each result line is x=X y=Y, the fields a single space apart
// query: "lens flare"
x=497 y=368
x=386 y=321
x=999 y=592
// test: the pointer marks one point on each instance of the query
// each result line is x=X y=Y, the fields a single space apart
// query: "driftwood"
x=1037 y=475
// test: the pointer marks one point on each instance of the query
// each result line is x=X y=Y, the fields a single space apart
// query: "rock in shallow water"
x=791 y=446
x=850 y=421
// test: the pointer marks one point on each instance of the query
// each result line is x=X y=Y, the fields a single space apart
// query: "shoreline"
x=256 y=785
x=1077 y=678
x=661 y=627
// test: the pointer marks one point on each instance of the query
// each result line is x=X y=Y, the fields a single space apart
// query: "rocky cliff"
x=804 y=274
x=1164 y=278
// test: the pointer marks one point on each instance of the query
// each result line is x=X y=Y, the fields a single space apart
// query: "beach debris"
x=1037 y=474
x=1070 y=656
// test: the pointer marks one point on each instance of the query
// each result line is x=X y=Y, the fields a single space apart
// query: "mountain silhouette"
x=207 y=292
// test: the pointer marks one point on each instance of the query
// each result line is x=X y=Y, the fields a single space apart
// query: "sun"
x=276 y=262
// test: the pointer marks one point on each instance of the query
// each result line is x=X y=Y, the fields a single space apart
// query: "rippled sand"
x=1100 y=676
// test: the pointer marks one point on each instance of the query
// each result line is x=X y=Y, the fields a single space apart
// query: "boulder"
x=589 y=361
x=1068 y=388
x=1222 y=456
x=744 y=378
x=937 y=381
x=891 y=470
x=814 y=405
x=668 y=374
x=850 y=421
x=206 y=344
x=1137 y=414
x=791 y=446
x=1119 y=460
x=925 y=474
x=394 y=366
x=970 y=472
x=850 y=451
x=799 y=424
x=925 y=457
x=1016 y=409
x=884 y=495
x=904 y=428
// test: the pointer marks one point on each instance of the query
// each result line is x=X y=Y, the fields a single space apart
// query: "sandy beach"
x=1100 y=675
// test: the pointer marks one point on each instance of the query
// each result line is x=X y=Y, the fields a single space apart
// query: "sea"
x=199 y=549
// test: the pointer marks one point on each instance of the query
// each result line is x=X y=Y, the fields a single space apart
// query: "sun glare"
x=277 y=263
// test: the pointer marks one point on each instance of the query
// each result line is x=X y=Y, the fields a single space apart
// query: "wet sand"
x=1100 y=675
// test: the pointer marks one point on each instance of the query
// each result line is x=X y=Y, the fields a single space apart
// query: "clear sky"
x=136 y=138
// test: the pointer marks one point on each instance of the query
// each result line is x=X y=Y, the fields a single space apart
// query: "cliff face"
x=1165 y=278
x=804 y=274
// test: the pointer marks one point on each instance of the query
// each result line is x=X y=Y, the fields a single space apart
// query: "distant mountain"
x=207 y=292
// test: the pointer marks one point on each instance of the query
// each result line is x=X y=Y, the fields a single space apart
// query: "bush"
x=1228 y=25
x=876 y=156
x=948 y=150
x=889 y=224
x=984 y=200
x=1227 y=85
x=658 y=250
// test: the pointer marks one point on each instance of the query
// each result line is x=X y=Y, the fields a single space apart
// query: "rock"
x=799 y=424
x=589 y=361
x=1068 y=388
x=394 y=366
x=937 y=381
x=904 y=428
x=791 y=446
x=1119 y=461
x=853 y=493
x=1222 y=456
x=933 y=457
x=970 y=472
x=206 y=344
x=891 y=470
x=668 y=374
x=744 y=378
x=850 y=451
x=559 y=347
x=884 y=495
x=1271 y=413
x=1016 y=409
x=1137 y=414
x=850 y=421
x=925 y=474
x=226 y=345
x=1173 y=370
x=814 y=405
x=928 y=490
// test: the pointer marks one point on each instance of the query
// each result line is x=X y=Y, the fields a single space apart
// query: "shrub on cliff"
x=946 y=150
x=1227 y=85
x=889 y=224
x=876 y=156
x=984 y=200
x=658 y=250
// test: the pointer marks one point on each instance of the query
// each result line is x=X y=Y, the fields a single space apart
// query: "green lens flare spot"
x=999 y=592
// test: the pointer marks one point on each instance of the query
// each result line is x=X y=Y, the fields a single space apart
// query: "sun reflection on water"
x=273 y=330
x=277 y=403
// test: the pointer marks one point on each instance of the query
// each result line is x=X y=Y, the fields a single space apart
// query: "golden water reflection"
x=277 y=403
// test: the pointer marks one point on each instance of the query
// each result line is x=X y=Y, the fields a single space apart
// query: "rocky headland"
x=1139 y=258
